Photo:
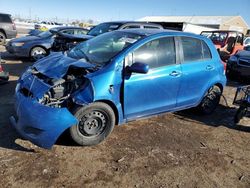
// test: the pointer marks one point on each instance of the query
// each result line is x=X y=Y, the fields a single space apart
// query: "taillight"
x=1 y=68
x=14 y=26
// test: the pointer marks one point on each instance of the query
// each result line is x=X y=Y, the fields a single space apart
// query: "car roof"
x=227 y=31
x=66 y=27
x=149 y=32
x=132 y=22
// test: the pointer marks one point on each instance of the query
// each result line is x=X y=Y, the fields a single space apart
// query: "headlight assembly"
x=18 y=44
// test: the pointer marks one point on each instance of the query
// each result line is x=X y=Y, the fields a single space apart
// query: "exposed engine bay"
x=60 y=93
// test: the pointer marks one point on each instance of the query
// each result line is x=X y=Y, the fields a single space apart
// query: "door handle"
x=175 y=73
x=209 y=67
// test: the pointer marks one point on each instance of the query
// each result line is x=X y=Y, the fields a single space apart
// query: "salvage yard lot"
x=172 y=150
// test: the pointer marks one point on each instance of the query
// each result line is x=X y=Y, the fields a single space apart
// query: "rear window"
x=5 y=18
x=195 y=49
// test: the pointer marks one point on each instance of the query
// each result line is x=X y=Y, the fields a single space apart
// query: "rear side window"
x=150 y=27
x=68 y=31
x=156 y=53
x=80 y=32
x=5 y=18
x=132 y=27
x=206 y=51
x=194 y=49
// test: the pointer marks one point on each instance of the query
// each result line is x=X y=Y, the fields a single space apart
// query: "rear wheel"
x=96 y=122
x=210 y=100
x=2 y=38
x=37 y=53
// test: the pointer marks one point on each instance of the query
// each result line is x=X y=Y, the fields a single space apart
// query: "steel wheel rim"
x=38 y=54
x=92 y=123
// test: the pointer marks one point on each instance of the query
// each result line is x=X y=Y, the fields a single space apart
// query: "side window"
x=192 y=49
x=156 y=53
x=132 y=27
x=68 y=31
x=80 y=32
x=150 y=27
x=206 y=51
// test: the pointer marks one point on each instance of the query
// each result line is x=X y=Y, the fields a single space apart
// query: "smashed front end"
x=44 y=102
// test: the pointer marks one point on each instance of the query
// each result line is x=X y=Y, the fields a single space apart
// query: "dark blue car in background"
x=115 y=78
x=38 y=46
x=238 y=65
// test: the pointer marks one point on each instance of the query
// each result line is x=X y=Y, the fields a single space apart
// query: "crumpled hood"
x=244 y=54
x=57 y=64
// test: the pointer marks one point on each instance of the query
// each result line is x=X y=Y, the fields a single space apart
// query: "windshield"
x=216 y=37
x=103 y=28
x=45 y=34
x=101 y=49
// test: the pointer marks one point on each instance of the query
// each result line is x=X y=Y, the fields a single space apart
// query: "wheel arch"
x=2 y=31
x=114 y=108
x=220 y=86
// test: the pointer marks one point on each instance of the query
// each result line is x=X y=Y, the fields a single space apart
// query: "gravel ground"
x=172 y=150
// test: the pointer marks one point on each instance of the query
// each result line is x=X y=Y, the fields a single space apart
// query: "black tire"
x=241 y=112
x=37 y=53
x=96 y=122
x=2 y=38
x=210 y=101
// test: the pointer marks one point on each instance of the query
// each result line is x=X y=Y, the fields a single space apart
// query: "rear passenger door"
x=197 y=69
x=156 y=91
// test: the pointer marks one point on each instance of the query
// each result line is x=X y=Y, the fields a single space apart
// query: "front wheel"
x=96 y=122
x=241 y=112
x=37 y=53
x=210 y=101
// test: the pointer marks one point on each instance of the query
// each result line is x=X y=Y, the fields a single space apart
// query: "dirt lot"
x=172 y=150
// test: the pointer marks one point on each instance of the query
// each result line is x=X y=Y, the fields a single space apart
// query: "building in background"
x=196 y=24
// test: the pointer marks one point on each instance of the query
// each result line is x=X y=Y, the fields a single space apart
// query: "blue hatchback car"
x=115 y=78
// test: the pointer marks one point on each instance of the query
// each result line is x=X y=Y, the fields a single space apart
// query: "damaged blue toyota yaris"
x=115 y=78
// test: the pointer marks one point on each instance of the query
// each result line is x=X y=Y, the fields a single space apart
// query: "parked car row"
x=40 y=44
x=44 y=26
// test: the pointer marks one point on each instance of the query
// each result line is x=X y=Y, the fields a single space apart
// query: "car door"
x=197 y=69
x=156 y=91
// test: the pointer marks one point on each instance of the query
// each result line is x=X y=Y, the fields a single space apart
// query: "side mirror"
x=139 y=68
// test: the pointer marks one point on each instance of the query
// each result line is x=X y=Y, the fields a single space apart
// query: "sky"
x=110 y=10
